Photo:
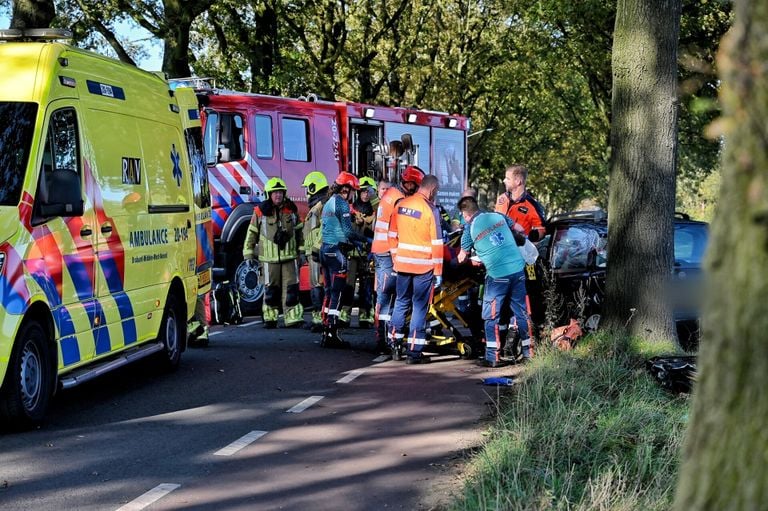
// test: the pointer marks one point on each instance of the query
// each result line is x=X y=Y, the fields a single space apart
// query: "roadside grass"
x=584 y=430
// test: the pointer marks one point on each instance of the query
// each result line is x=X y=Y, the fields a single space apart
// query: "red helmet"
x=413 y=174
x=345 y=178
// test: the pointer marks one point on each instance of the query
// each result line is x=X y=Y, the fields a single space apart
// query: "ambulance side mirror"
x=65 y=197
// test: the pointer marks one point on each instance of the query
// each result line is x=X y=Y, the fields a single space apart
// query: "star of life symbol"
x=175 y=159
x=497 y=239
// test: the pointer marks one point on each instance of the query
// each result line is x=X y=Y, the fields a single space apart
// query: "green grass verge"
x=584 y=430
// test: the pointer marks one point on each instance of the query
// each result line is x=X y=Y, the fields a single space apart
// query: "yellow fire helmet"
x=275 y=184
x=314 y=182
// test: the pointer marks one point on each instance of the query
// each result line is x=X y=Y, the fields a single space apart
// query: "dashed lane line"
x=351 y=376
x=381 y=358
x=240 y=443
x=304 y=404
x=149 y=498
x=257 y=322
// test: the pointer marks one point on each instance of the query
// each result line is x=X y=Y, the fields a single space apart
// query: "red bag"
x=565 y=337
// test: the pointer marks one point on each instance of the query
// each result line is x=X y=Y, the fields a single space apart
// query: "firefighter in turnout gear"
x=416 y=240
x=317 y=195
x=359 y=271
x=410 y=180
x=338 y=237
x=273 y=229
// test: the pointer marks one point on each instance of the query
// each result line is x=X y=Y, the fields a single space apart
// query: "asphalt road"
x=259 y=420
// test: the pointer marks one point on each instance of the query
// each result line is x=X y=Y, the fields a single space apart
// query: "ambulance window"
x=264 y=136
x=202 y=192
x=62 y=136
x=295 y=139
x=15 y=140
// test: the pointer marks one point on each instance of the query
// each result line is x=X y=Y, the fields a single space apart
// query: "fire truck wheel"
x=172 y=332
x=29 y=382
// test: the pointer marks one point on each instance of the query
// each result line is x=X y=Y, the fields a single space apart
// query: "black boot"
x=324 y=337
x=335 y=340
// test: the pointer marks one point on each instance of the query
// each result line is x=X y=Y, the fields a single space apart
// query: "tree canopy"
x=535 y=75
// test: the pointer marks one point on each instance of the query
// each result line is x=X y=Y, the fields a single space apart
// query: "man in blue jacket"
x=493 y=237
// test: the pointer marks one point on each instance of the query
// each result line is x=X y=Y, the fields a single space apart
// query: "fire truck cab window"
x=263 y=136
x=230 y=136
x=295 y=139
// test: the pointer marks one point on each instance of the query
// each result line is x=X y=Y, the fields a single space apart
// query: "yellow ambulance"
x=105 y=238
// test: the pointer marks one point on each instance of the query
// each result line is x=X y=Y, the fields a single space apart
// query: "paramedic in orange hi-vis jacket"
x=519 y=205
x=416 y=243
x=410 y=180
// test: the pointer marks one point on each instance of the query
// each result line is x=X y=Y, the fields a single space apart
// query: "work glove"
x=438 y=281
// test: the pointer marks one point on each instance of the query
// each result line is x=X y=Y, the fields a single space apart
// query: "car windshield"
x=15 y=141
x=690 y=243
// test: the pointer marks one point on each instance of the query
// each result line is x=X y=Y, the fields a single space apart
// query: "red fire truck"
x=252 y=137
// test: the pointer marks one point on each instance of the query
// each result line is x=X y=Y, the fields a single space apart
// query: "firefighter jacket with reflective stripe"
x=383 y=214
x=415 y=236
x=491 y=236
x=313 y=236
x=526 y=211
x=273 y=228
x=336 y=222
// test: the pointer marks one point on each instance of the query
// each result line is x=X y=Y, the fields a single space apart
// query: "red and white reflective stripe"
x=418 y=342
x=256 y=168
x=381 y=224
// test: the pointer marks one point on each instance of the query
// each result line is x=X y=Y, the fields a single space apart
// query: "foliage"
x=536 y=73
x=586 y=429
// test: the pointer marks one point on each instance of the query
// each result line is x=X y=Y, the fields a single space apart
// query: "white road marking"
x=381 y=358
x=211 y=334
x=152 y=496
x=304 y=404
x=238 y=444
x=257 y=322
x=351 y=376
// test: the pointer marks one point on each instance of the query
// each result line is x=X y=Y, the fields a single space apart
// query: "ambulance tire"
x=172 y=332
x=30 y=380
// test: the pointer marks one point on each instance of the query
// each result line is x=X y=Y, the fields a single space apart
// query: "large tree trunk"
x=641 y=200
x=32 y=13
x=726 y=451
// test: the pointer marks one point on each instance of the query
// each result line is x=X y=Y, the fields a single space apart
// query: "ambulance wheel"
x=172 y=332
x=29 y=382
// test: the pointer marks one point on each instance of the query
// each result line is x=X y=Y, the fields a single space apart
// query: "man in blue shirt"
x=493 y=237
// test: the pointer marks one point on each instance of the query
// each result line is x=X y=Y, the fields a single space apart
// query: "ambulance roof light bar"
x=35 y=34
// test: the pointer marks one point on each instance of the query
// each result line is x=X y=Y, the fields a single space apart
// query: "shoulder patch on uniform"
x=523 y=209
x=413 y=213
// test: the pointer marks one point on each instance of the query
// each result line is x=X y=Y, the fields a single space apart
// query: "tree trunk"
x=641 y=200
x=725 y=462
x=32 y=13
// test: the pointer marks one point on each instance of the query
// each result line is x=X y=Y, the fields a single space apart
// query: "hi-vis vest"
x=263 y=229
x=380 y=244
x=415 y=235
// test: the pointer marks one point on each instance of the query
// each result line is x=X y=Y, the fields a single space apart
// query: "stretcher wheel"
x=467 y=351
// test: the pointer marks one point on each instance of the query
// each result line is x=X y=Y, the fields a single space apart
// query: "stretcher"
x=450 y=327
